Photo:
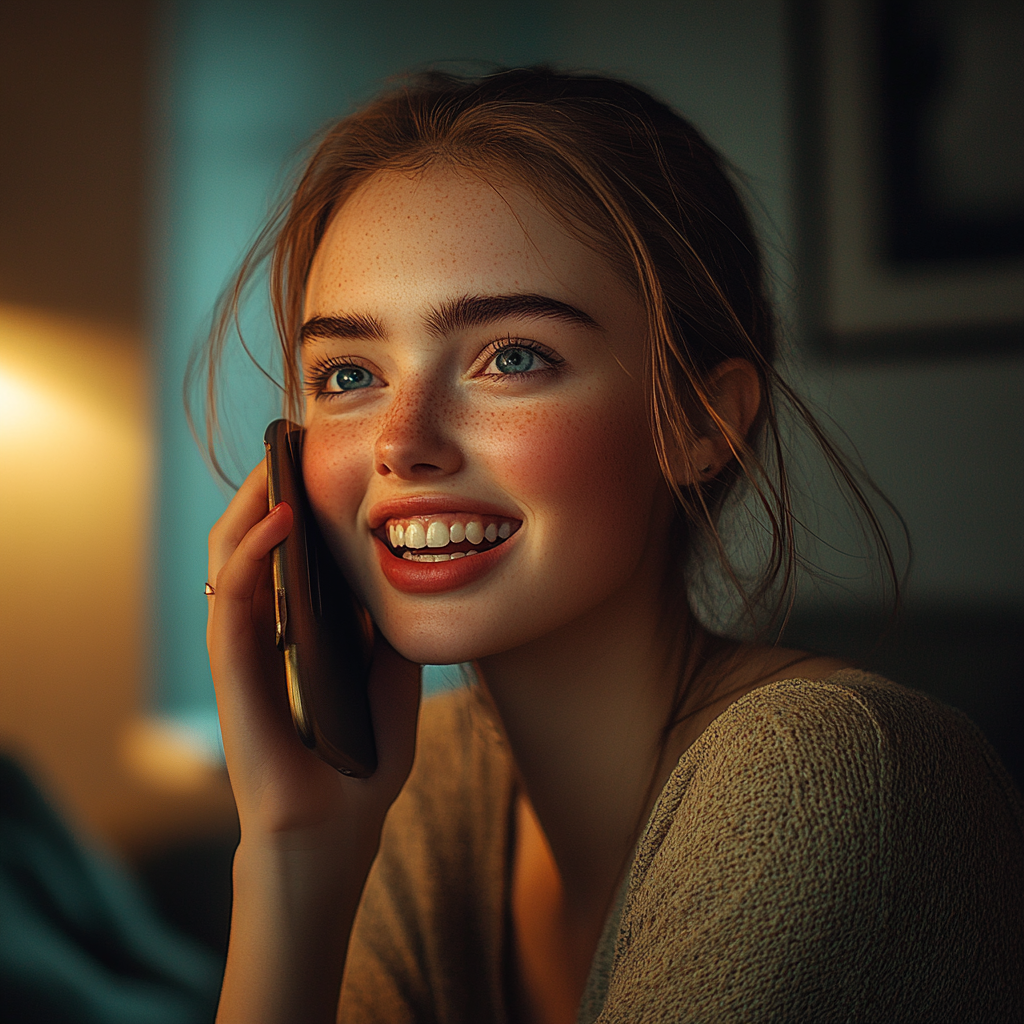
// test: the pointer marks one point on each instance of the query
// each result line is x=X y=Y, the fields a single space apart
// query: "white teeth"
x=416 y=534
x=410 y=557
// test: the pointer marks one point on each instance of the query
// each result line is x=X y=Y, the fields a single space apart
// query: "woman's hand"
x=309 y=834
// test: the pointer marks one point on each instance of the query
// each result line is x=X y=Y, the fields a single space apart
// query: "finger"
x=238 y=579
x=239 y=651
x=394 y=693
x=240 y=574
x=247 y=507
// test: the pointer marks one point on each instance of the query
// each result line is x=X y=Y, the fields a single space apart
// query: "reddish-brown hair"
x=642 y=186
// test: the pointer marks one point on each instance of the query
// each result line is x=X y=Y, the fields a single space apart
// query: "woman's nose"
x=416 y=440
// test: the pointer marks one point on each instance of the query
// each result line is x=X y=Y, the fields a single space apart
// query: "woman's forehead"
x=448 y=229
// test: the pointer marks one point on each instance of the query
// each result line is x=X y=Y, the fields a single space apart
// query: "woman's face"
x=477 y=447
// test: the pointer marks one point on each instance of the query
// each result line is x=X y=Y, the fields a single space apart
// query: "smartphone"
x=325 y=633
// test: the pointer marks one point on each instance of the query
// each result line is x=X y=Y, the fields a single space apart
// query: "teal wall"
x=246 y=83
x=244 y=86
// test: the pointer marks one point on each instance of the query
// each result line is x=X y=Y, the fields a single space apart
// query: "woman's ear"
x=734 y=390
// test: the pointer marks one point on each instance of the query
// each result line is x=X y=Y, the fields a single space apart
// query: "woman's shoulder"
x=456 y=729
x=844 y=772
x=860 y=831
x=806 y=718
x=430 y=927
x=853 y=735
x=462 y=769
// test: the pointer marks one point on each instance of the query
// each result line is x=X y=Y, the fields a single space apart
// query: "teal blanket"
x=78 y=941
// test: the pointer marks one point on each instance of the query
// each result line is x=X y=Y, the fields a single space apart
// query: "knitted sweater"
x=842 y=850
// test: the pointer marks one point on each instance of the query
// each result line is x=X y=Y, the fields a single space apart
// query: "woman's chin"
x=429 y=650
x=447 y=630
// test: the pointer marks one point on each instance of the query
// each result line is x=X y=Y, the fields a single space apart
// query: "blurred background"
x=142 y=143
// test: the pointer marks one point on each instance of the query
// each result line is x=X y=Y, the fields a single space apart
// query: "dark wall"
x=74 y=118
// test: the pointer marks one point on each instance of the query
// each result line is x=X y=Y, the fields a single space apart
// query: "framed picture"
x=910 y=170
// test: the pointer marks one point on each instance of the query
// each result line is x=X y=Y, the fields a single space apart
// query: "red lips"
x=412 y=577
x=438 y=577
x=429 y=504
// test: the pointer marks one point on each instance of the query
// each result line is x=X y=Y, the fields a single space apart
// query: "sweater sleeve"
x=840 y=851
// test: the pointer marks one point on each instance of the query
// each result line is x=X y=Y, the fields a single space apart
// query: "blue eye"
x=514 y=360
x=349 y=378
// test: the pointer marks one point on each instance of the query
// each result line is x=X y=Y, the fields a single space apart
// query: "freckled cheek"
x=577 y=460
x=335 y=468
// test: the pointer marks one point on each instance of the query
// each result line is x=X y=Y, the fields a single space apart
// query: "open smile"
x=446 y=536
x=433 y=551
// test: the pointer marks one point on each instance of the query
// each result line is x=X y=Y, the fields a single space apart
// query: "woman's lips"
x=433 y=505
x=434 y=554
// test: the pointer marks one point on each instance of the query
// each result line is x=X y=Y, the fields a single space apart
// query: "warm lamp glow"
x=67 y=419
x=21 y=402
x=75 y=458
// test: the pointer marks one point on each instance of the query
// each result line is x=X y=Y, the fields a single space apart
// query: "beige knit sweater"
x=844 y=850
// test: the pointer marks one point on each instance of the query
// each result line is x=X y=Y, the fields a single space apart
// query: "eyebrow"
x=354 y=325
x=479 y=310
x=454 y=315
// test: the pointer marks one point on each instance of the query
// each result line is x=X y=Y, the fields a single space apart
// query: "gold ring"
x=209 y=590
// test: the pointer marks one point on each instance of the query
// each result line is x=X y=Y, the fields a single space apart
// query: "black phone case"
x=325 y=634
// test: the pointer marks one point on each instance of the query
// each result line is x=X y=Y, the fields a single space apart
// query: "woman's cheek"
x=333 y=464
x=575 y=457
x=335 y=469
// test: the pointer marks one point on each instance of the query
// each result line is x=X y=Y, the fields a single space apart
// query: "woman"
x=525 y=317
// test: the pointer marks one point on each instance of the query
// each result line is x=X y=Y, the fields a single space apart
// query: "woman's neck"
x=584 y=710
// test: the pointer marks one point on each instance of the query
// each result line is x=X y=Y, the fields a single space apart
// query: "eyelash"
x=495 y=348
x=321 y=371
